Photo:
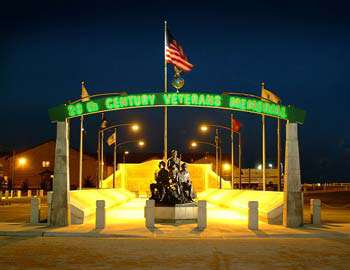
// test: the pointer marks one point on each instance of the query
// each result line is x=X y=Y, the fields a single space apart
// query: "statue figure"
x=186 y=183
x=158 y=188
x=172 y=186
x=174 y=161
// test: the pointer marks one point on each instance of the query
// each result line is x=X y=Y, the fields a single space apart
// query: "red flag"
x=235 y=125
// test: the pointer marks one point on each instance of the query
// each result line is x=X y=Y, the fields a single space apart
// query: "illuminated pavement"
x=126 y=244
x=128 y=221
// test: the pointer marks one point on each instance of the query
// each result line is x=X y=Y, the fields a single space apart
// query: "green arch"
x=237 y=102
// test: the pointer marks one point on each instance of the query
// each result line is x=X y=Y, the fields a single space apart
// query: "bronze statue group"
x=173 y=184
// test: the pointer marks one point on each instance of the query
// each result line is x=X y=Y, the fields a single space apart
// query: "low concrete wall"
x=83 y=202
x=270 y=202
x=137 y=177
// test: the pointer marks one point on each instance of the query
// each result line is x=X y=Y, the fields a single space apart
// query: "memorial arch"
x=242 y=102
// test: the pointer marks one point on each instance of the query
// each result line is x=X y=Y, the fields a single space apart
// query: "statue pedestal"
x=177 y=214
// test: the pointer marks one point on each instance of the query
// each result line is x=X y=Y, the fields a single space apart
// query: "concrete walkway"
x=128 y=221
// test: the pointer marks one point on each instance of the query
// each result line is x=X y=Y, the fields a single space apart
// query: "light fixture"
x=22 y=161
x=270 y=165
x=259 y=167
x=135 y=127
x=194 y=144
x=204 y=128
x=226 y=166
x=126 y=152
x=141 y=143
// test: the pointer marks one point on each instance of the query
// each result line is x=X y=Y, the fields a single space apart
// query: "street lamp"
x=205 y=127
x=194 y=144
x=141 y=143
x=126 y=152
x=22 y=161
x=226 y=166
x=133 y=126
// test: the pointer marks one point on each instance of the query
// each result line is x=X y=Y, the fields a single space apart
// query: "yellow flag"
x=84 y=93
x=267 y=94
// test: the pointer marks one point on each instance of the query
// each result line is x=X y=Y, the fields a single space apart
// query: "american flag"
x=175 y=55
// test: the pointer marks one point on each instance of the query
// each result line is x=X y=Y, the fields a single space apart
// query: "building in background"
x=33 y=168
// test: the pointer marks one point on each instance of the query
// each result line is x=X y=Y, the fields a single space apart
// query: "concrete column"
x=35 y=210
x=11 y=193
x=202 y=215
x=253 y=215
x=60 y=212
x=49 y=206
x=150 y=213
x=315 y=211
x=6 y=194
x=293 y=197
x=100 y=214
x=29 y=193
x=19 y=193
x=41 y=193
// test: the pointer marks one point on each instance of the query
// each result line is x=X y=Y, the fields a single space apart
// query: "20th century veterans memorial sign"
x=203 y=100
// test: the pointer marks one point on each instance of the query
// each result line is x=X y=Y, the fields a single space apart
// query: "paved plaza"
x=136 y=253
x=125 y=243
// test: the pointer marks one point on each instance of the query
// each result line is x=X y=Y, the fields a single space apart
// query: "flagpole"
x=115 y=156
x=232 y=154
x=279 y=154
x=263 y=147
x=99 y=158
x=81 y=152
x=165 y=91
x=102 y=158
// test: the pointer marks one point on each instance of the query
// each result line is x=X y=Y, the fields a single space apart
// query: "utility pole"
x=115 y=157
x=217 y=152
x=232 y=154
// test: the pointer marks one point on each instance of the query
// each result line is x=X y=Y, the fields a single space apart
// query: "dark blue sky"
x=301 y=51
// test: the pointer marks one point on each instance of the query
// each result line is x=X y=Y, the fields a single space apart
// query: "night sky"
x=300 y=50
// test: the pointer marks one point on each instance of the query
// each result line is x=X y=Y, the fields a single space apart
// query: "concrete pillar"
x=19 y=193
x=49 y=206
x=11 y=193
x=35 y=210
x=100 y=214
x=29 y=193
x=315 y=211
x=202 y=215
x=150 y=213
x=41 y=193
x=60 y=212
x=6 y=194
x=293 y=197
x=253 y=215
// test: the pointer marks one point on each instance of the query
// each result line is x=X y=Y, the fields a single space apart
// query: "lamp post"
x=126 y=152
x=104 y=128
x=194 y=144
x=279 y=183
x=205 y=128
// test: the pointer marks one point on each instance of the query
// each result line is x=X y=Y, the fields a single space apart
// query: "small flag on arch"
x=112 y=139
x=84 y=93
x=174 y=54
x=267 y=94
